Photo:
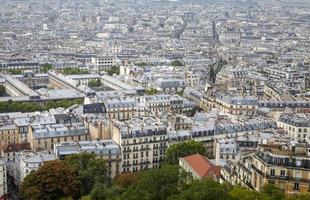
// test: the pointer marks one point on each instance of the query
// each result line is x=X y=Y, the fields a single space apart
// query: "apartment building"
x=44 y=137
x=103 y=62
x=286 y=165
x=8 y=152
x=296 y=126
x=3 y=179
x=28 y=161
x=107 y=150
x=9 y=134
x=237 y=105
x=120 y=108
x=143 y=142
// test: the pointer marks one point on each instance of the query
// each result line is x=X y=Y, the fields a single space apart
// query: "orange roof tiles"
x=202 y=166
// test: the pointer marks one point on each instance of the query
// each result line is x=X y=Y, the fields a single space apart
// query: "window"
x=282 y=172
x=272 y=172
x=296 y=186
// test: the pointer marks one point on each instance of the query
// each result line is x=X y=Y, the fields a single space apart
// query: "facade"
x=45 y=137
x=237 y=105
x=8 y=152
x=3 y=179
x=296 y=126
x=28 y=161
x=143 y=142
x=103 y=62
x=9 y=134
x=284 y=165
x=107 y=150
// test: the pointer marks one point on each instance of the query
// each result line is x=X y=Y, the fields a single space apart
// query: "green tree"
x=73 y=70
x=240 y=193
x=54 y=180
x=90 y=169
x=151 y=91
x=177 y=63
x=101 y=192
x=125 y=179
x=46 y=67
x=212 y=75
x=272 y=192
x=2 y=91
x=113 y=70
x=193 y=111
x=181 y=149
x=94 y=83
x=15 y=71
x=155 y=184
x=202 y=190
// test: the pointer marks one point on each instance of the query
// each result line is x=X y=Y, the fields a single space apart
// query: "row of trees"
x=85 y=177
x=11 y=106
x=95 y=83
x=113 y=70
x=74 y=70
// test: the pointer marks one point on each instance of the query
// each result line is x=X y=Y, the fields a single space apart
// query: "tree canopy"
x=12 y=106
x=54 y=180
x=46 y=67
x=94 y=83
x=113 y=70
x=181 y=149
x=90 y=170
x=177 y=63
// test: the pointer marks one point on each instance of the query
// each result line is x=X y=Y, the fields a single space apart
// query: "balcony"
x=126 y=165
x=126 y=150
x=144 y=163
x=145 y=148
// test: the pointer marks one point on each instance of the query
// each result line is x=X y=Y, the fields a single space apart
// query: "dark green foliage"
x=177 y=63
x=46 y=67
x=2 y=91
x=155 y=184
x=102 y=192
x=202 y=190
x=15 y=71
x=90 y=169
x=141 y=64
x=94 y=83
x=113 y=70
x=11 y=106
x=181 y=149
x=194 y=110
x=151 y=91
x=71 y=70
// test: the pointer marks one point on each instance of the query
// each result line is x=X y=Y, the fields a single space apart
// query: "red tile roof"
x=202 y=166
x=16 y=147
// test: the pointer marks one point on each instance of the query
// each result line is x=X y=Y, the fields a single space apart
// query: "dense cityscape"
x=155 y=99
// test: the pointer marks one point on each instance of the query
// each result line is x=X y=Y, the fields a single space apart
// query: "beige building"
x=296 y=126
x=143 y=142
x=44 y=137
x=284 y=165
x=9 y=134
x=237 y=105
